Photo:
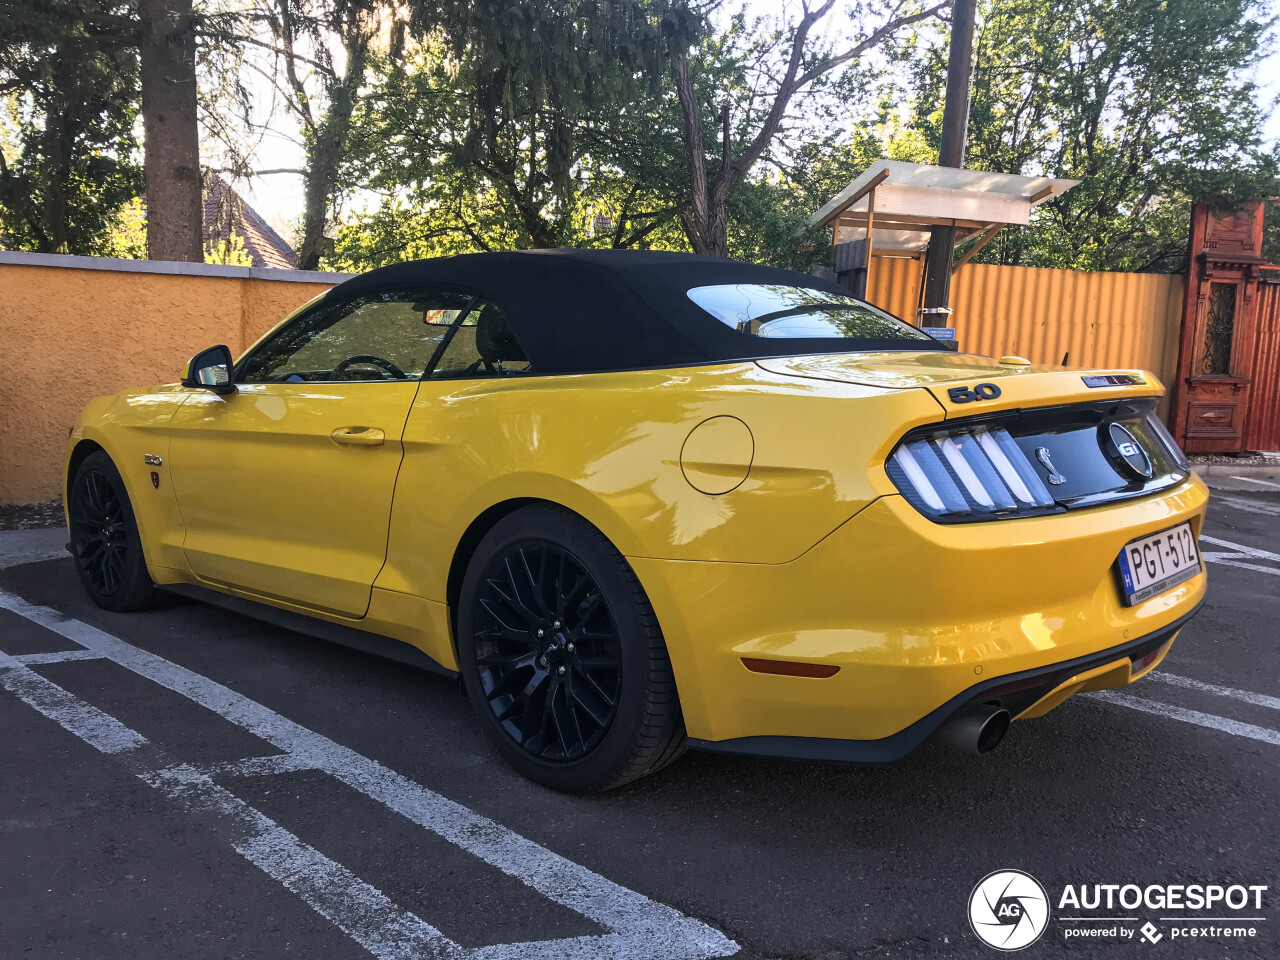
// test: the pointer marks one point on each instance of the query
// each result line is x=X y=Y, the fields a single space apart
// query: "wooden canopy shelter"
x=888 y=210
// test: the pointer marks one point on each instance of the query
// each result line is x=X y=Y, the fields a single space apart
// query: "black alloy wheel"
x=562 y=657
x=547 y=651
x=100 y=530
x=104 y=538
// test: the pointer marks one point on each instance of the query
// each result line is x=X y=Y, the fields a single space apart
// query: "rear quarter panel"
x=608 y=446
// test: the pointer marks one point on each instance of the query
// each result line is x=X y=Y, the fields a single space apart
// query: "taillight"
x=1029 y=462
x=979 y=470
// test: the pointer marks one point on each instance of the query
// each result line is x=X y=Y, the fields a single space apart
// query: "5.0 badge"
x=983 y=391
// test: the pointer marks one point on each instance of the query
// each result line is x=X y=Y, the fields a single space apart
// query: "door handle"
x=359 y=436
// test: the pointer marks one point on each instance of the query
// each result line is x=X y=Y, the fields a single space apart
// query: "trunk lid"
x=947 y=375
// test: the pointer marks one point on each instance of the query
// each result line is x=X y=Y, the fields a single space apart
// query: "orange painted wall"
x=68 y=335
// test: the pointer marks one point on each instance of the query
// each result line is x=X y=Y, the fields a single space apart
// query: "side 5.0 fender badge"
x=983 y=391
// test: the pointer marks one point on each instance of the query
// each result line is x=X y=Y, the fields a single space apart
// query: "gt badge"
x=152 y=459
x=1127 y=453
x=1055 y=478
x=983 y=391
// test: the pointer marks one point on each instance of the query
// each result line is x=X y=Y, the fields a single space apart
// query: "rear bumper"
x=919 y=618
x=1022 y=694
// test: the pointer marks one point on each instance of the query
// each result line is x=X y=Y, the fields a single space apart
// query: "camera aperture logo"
x=1008 y=910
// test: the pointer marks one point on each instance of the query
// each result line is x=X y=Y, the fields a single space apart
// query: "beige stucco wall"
x=69 y=333
x=72 y=328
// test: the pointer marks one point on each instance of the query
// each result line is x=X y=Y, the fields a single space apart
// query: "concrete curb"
x=1263 y=471
x=32 y=546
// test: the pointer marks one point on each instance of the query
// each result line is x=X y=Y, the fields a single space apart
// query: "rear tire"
x=591 y=704
x=104 y=538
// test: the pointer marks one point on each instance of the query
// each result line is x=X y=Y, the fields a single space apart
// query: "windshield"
x=782 y=311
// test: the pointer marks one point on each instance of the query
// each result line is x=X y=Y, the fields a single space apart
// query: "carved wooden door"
x=1212 y=397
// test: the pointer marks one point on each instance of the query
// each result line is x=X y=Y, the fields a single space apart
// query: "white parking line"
x=638 y=927
x=58 y=656
x=1225 y=724
x=1239 y=555
x=1265 y=483
x=361 y=911
x=257 y=766
x=1257 y=699
x=1256 y=552
x=98 y=729
x=1249 y=506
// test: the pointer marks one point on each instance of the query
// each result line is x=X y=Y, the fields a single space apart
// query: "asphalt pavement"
x=188 y=782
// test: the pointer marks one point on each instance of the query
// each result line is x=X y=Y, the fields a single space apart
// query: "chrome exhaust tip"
x=976 y=729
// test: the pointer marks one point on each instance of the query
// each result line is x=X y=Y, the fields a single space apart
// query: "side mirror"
x=210 y=370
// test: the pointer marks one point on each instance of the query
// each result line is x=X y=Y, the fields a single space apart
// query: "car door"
x=285 y=486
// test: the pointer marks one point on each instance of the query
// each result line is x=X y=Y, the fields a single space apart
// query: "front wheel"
x=104 y=538
x=562 y=655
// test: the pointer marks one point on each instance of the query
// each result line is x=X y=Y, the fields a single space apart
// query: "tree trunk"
x=53 y=209
x=171 y=167
x=708 y=234
x=327 y=147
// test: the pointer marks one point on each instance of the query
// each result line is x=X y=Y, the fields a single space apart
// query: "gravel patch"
x=31 y=516
x=1237 y=460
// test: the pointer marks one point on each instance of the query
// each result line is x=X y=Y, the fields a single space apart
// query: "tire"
x=544 y=702
x=104 y=538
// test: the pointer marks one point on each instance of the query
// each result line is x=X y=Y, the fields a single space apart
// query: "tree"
x=68 y=103
x=792 y=63
x=167 y=42
x=1271 y=230
x=1147 y=102
x=123 y=48
x=410 y=144
x=497 y=128
x=318 y=52
x=561 y=61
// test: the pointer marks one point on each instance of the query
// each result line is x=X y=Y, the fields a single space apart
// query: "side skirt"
x=344 y=636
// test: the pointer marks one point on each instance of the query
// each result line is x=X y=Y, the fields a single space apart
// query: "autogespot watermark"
x=1010 y=910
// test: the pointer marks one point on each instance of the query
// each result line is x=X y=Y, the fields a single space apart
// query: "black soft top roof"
x=581 y=311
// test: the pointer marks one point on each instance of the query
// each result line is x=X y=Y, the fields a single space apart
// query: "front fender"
x=127 y=427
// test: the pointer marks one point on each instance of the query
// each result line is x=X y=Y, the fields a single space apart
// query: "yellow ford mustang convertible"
x=644 y=500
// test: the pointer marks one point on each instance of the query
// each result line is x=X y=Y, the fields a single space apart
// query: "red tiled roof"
x=225 y=211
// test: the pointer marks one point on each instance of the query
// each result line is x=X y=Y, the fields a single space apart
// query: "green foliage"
x=447 y=188
x=127 y=238
x=499 y=124
x=230 y=252
x=70 y=90
x=1147 y=102
x=1271 y=233
x=554 y=60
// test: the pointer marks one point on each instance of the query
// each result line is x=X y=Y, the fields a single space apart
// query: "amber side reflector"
x=789 y=668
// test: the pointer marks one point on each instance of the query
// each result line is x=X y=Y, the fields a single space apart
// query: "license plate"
x=1157 y=562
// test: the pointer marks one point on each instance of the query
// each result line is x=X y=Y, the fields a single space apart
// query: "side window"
x=483 y=346
x=383 y=336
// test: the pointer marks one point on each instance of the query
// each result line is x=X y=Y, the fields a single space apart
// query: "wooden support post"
x=871 y=223
x=969 y=254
